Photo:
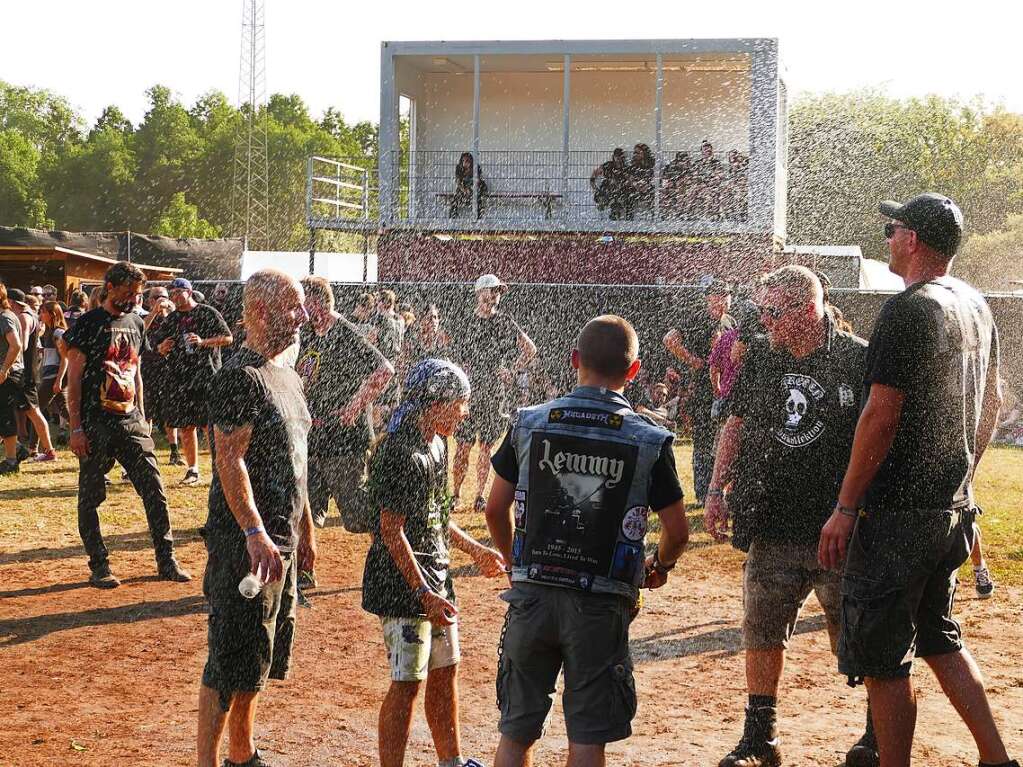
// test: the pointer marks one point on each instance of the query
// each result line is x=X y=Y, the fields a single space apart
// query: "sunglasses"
x=890 y=227
x=776 y=312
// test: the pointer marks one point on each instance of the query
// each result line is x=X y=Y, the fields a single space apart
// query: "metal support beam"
x=566 y=127
x=475 y=137
x=312 y=251
x=658 y=144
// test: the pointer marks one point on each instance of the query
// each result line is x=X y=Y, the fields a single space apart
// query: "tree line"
x=173 y=173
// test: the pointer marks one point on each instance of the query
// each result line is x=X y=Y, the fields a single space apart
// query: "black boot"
x=864 y=751
x=759 y=744
x=168 y=569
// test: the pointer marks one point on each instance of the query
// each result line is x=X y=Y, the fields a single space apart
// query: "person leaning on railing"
x=463 y=186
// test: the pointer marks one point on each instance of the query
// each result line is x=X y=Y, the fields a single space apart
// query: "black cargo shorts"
x=898 y=589
x=250 y=640
x=549 y=628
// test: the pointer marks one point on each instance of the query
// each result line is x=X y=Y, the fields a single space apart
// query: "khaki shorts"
x=778 y=578
x=548 y=629
x=416 y=647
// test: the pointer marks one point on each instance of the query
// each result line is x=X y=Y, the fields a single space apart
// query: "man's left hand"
x=834 y=541
x=193 y=339
x=306 y=551
x=654 y=579
x=489 y=561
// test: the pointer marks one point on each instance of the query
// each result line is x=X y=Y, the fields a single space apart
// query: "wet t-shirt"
x=189 y=362
x=9 y=324
x=937 y=343
x=798 y=420
x=113 y=348
x=333 y=367
x=486 y=344
x=408 y=477
x=250 y=391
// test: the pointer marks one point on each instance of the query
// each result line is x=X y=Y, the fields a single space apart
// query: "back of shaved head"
x=608 y=345
x=263 y=285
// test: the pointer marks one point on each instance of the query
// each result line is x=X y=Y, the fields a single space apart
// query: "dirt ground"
x=110 y=678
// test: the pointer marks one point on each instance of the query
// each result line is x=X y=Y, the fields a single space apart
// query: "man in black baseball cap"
x=936 y=220
x=932 y=400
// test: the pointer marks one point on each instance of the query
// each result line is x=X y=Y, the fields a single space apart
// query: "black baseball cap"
x=936 y=219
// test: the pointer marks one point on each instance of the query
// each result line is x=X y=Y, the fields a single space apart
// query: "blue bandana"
x=429 y=382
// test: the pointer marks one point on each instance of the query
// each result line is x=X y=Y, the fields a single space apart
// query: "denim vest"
x=581 y=499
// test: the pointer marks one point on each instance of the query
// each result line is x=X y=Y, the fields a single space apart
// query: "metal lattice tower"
x=250 y=199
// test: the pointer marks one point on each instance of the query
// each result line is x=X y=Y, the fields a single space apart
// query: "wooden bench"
x=544 y=198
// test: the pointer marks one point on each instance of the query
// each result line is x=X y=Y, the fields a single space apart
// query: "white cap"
x=489 y=281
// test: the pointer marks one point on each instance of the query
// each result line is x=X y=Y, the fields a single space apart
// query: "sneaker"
x=175 y=459
x=170 y=570
x=256 y=760
x=480 y=505
x=49 y=455
x=984 y=585
x=102 y=578
x=191 y=477
x=7 y=466
x=23 y=453
x=306 y=579
x=759 y=744
x=124 y=475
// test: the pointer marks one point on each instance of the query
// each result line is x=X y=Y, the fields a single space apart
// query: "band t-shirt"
x=486 y=344
x=251 y=391
x=112 y=347
x=333 y=367
x=408 y=477
x=187 y=362
x=937 y=343
x=9 y=324
x=49 y=365
x=799 y=417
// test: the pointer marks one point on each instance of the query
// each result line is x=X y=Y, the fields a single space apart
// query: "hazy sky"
x=110 y=51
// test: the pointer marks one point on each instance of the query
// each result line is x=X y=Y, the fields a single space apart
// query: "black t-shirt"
x=187 y=363
x=799 y=417
x=664 y=489
x=390 y=333
x=698 y=336
x=937 y=343
x=250 y=391
x=408 y=477
x=112 y=347
x=333 y=367
x=486 y=344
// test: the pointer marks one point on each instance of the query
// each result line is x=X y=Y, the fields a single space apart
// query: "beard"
x=125 y=307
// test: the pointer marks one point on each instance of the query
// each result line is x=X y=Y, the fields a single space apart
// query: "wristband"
x=79 y=430
x=714 y=493
x=662 y=568
x=845 y=511
x=250 y=531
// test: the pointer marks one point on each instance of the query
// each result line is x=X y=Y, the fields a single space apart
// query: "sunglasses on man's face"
x=776 y=312
x=890 y=227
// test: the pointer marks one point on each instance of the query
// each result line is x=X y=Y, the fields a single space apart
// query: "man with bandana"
x=407 y=579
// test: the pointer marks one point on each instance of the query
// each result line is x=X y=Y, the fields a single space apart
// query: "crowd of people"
x=840 y=467
x=701 y=187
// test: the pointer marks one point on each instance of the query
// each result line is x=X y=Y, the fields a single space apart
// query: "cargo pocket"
x=876 y=638
x=623 y=692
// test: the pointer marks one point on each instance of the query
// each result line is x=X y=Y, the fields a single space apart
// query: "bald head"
x=798 y=285
x=608 y=346
x=273 y=310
